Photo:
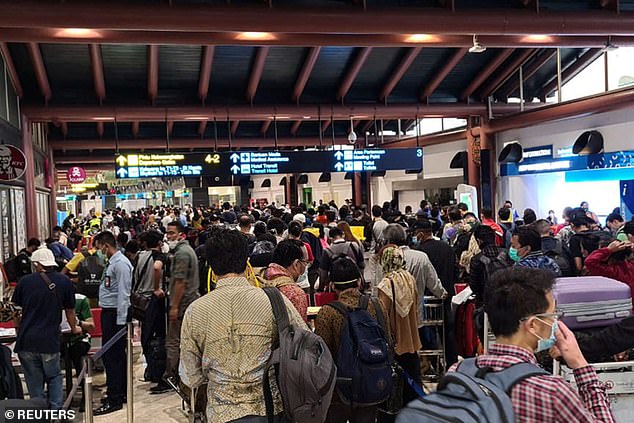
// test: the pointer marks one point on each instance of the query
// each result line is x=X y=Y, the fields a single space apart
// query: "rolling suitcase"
x=592 y=301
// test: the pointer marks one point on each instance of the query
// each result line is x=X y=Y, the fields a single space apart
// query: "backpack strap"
x=504 y=379
x=363 y=302
x=279 y=308
x=342 y=309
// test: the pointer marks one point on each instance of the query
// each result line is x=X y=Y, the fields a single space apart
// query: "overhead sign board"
x=76 y=175
x=137 y=165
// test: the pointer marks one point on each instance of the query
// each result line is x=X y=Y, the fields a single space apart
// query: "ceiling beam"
x=399 y=71
x=600 y=103
x=205 y=72
x=100 y=129
x=61 y=160
x=11 y=70
x=170 y=127
x=442 y=74
x=353 y=71
x=254 y=113
x=295 y=127
x=63 y=126
x=97 y=72
x=200 y=18
x=530 y=70
x=504 y=74
x=135 y=128
x=202 y=127
x=324 y=125
x=38 y=35
x=152 y=72
x=40 y=70
x=485 y=73
x=367 y=125
x=265 y=126
x=304 y=73
x=256 y=72
x=573 y=70
x=234 y=127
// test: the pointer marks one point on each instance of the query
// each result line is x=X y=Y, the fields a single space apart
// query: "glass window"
x=620 y=70
x=453 y=123
x=431 y=125
x=588 y=82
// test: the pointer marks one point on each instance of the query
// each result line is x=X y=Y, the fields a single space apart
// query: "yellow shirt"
x=75 y=262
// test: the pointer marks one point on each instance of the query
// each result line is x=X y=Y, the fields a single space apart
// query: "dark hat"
x=424 y=225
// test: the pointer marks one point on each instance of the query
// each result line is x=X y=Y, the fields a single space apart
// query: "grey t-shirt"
x=185 y=266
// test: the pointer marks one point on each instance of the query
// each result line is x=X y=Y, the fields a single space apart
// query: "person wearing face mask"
x=114 y=300
x=591 y=215
x=522 y=314
x=288 y=264
x=526 y=251
x=183 y=290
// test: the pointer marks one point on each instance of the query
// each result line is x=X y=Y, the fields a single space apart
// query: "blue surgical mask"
x=513 y=255
x=415 y=242
x=548 y=343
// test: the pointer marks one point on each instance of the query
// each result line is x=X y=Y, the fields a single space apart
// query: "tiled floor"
x=164 y=408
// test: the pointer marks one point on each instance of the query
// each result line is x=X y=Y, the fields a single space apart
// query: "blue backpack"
x=364 y=359
x=471 y=395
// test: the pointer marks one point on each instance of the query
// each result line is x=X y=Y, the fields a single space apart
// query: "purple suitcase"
x=592 y=301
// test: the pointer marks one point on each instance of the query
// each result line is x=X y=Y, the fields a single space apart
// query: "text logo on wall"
x=76 y=175
x=12 y=163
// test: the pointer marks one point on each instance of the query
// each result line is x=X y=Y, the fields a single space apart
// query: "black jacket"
x=443 y=259
x=597 y=346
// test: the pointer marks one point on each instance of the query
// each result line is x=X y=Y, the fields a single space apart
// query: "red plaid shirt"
x=546 y=399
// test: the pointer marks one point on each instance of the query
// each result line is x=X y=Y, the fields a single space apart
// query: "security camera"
x=352 y=137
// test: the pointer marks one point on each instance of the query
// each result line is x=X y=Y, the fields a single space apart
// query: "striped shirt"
x=547 y=398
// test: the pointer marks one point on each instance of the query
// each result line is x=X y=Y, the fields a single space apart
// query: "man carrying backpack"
x=20 y=265
x=335 y=325
x=339 y=246
x=522 y=313
x=228 y=337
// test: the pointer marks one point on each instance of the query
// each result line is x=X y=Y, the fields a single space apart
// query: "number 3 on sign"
x=419 y=152
x=212 y=158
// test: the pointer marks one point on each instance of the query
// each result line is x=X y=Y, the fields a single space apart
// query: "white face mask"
x=172 y=244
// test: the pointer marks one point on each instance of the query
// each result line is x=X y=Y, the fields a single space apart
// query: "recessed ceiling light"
x=306 y=117
x=420 y=38
x=195 y=118
x=78 y=33
x=256 y=36
x=103 y=118
x=537 y=38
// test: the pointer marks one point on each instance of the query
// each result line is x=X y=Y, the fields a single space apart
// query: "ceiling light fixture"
x=78 y=33
x=420 y=38
x=537 y=38
x=103 y=118
x=477 y=47
x=256 y=36
x=195 y=118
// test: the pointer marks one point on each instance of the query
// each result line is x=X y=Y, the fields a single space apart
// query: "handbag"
x=139 y=302
x=394 y=402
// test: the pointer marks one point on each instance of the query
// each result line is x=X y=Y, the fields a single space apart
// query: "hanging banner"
x=12 y=163
x=76 y=175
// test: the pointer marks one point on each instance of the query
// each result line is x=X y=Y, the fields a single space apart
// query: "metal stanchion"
x=88 y=390
x=130 y=407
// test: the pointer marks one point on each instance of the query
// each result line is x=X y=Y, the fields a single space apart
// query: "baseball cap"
x=300 y=217
x=44 y=256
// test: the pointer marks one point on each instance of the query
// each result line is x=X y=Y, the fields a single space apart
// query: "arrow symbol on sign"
x=235 y=169
x=338 y=155
x=235 y=157
x=338 y=166
x=122 y=173
x=121 y=160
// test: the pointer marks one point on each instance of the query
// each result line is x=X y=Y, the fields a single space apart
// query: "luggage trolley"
x=433 y=351
x=618 y=377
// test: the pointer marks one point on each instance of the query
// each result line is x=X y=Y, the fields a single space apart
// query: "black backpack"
x=17 y=266
x=471 y=395
x=491 y=266
x=364 y=368
x=90 y=274
x=561 y=256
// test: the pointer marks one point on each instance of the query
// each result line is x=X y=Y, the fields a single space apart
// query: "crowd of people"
x=193 y=276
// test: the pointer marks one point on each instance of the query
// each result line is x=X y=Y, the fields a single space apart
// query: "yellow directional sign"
x=212 y=158
x=121 y=160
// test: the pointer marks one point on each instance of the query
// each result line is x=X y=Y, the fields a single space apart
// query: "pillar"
x=30 y=201
x=52 y=185
x=290 y=190
x=361 y=188
x=487 y=169
x=473 y=159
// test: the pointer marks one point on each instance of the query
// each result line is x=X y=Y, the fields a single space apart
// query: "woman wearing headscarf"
x=398 y=295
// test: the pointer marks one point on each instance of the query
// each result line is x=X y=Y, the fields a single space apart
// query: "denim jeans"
x=40 y=368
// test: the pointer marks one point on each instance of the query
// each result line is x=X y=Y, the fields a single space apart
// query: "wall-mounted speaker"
x=590 y=142
x=511 y=153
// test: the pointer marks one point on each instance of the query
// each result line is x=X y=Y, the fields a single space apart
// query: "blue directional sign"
x=139 y=165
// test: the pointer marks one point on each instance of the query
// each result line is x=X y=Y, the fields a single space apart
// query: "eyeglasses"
x=555 y=316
